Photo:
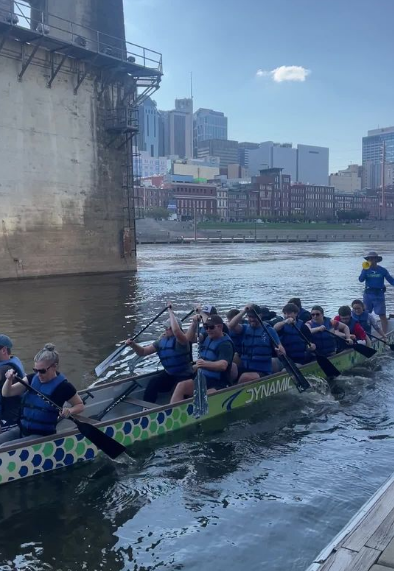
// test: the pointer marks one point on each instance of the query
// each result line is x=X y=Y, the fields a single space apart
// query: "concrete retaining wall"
x=61 y=189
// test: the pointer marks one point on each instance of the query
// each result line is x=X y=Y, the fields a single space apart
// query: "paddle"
x=391 y=345
x=105 y=443
x=324 y=363
x=103 y=366
x=362 y=349
x=299 y=380
x=200 y=397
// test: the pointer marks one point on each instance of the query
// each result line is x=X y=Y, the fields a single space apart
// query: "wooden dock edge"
x=338 y=540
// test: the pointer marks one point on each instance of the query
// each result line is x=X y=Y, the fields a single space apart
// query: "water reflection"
x=263 y=489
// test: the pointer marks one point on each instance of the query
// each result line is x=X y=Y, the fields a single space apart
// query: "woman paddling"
x=39 y=418
x=321 y=326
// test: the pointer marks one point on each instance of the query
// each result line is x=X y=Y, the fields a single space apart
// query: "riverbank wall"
x=170 y=232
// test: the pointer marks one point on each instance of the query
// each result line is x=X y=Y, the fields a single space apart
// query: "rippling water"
x=265 y=491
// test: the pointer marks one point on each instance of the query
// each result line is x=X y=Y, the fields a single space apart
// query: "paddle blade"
x=364 y=350
x=299 y=380
x=327 y=367
x=105 y=443
x=200 y=397
x=103 y=366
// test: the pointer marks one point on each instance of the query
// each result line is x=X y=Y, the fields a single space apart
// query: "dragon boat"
x=118 y=410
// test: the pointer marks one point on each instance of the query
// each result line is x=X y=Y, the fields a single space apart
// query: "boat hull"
x=21 y=459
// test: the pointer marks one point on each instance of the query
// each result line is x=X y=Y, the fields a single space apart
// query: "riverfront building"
x=70 y=85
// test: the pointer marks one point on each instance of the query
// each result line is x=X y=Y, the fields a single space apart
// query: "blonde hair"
x=48 y=353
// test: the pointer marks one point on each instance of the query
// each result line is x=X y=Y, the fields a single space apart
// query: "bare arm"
x=342 y=328
x=219 y=366
x=11 y=389
x=140 y=350
x=180 y=336
x=191 y=333
x=235 y=323
x=77 y=406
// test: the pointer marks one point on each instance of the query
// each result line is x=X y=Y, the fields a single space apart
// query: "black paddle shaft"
x=111 y=447
x=362 y=349
x=391 y=345
x=300 y=381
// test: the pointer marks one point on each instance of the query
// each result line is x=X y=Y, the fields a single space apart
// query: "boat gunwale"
x=105 y=423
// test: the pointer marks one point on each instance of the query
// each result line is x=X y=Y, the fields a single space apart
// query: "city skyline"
x=318 y=85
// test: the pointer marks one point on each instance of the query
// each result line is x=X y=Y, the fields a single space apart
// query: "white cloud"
x=285 y=73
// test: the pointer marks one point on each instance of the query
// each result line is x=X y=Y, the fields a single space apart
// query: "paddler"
x=39 y=418
x=9 y=407
x=173 y=349
x=374 y=275
x=257 y=349
x=321 y=327
x=289 y=333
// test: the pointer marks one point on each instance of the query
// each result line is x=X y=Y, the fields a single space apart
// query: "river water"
x=265 y=488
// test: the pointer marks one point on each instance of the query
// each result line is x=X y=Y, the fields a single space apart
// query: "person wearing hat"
x=9 y=407
x=296 y=346
x=174 y=351
x=374 y=276
x=215 y=361
x=257 y=350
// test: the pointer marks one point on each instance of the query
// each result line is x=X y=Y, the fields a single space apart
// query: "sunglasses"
x=42 y=371
x=210 y=327
x=315 y=314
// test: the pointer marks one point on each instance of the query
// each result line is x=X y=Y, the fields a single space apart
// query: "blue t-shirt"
x=374 y=277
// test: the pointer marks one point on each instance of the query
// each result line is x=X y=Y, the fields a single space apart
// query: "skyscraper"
x=180 y=129
x=307 y=164
x=148 y=136
x=226 y=150
x=373 y=156
x=312 y=164
x=208 y=124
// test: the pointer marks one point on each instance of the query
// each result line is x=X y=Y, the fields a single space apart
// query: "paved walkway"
x=367 y=542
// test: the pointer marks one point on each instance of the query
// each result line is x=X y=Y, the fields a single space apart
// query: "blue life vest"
x=325 y=343
x=174 y=360
x=38 y=416
x=364 y=320
x=256 y=350
x=304 y=315
x=210 y=352
x=236 y=338
x=9 y=406
x=293 y=342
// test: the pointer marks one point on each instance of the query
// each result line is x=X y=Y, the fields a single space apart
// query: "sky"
x=316 y=72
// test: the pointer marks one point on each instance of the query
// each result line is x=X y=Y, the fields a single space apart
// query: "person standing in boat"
x=215 y=362
x=320 y=326
x=39 y=418
x=174 y=351
x=9 y=408
x=357 y=333
x=296 y=347
x=374 y=276
x=365 y=319
x=257 y=350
